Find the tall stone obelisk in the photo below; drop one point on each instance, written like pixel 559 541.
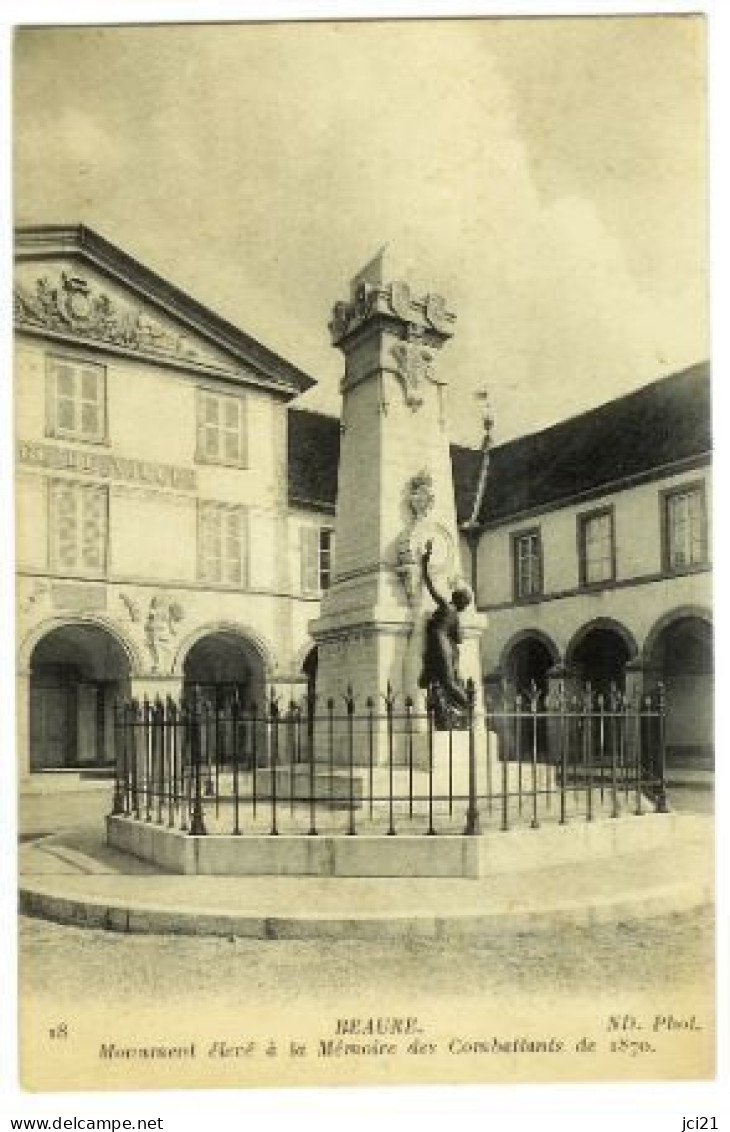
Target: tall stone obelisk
pixel 395 492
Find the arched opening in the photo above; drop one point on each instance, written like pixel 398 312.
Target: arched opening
pixel 76 673
pixel 599 657
pixel 222 665
pixel 526 665
pixel 682 658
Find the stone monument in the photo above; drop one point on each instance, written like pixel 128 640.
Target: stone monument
pixel 395 499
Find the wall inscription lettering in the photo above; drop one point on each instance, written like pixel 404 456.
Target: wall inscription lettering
pixel 106 466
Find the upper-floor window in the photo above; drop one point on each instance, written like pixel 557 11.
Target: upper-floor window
pixel 221 429
pixel 596 547
pixel 527 564
pixel 76 399
pixel 317 547
pixel 222 544
pixel 78 526
pixel 685 527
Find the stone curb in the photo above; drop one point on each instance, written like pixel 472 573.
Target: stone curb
pixel 478 926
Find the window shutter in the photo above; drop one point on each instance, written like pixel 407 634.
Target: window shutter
pixel 65 526
pixel 65 397
pixel 233 550
pixel 210 543
pixel 93 528
pixel 309 542
pixel 231 429
pixel 91 403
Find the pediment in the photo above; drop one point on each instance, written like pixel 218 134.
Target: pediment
pixel 72 299
pixel 70 283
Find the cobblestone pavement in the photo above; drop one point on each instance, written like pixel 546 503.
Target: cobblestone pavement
pixel 81 964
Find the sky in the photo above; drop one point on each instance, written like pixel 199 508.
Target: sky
pixel 546 176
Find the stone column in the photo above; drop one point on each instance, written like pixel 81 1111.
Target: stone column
pixel 636 680
pixel 22 708
pixel 395 493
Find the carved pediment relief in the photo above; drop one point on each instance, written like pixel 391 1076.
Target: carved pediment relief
pixel 73 299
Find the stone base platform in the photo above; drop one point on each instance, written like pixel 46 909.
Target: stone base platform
pixel 367 855
pixel 74 878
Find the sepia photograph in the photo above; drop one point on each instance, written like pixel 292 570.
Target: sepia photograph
pixel 363 553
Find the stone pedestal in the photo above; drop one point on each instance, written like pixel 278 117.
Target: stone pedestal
pixel 395 493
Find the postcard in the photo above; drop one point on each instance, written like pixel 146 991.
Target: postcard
pixel 364 643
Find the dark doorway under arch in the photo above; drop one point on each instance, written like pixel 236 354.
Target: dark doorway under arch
pixel 527 664
pixel 682 658
pixel 600 658
pixel 221 665
pixel 77 671
pixel 526 668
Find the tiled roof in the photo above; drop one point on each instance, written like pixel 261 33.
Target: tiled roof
pixel 658 425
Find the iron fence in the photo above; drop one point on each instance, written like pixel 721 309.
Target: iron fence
pixel 381 766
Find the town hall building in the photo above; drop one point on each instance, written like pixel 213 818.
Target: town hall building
pixel 175 519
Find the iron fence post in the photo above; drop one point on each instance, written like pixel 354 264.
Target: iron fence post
pixel 615 705
pixel 311 707
pixel 588 748
pixel 235 724
pixel 254 757
pixel 274 760
pixel 430 830
pixel 197 818
pixel 158 723
pixel 534 707
pixel 119 764
pixel 389 704
pixel 661 798
pixel 350 706
pixel 171 759
pixel 471 828
pixel 371 744
pixel 637 766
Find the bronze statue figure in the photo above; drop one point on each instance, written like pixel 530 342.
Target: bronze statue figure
pixel 440 674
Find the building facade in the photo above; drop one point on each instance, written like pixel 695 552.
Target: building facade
pixel 592 557
pixel 175 516
pixel 156 547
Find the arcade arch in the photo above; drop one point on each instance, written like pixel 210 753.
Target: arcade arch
pixel 599 652
pixel 223 663
pixel 77 671
pixel 679 652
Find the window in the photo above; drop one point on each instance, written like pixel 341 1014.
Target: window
pixel 78 527
pixel 76 400
pixel 317 546
pixel 527 564
pixel 685 527
pixel 222 544
pixel 596 547
pixel 221 429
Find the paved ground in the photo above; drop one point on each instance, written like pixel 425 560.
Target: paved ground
pixel 80 965
pixel 547 974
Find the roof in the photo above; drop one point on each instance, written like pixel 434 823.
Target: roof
pixel 654 428
pixel 49 241
pixel 313 458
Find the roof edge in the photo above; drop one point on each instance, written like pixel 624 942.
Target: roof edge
pixel 59 239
